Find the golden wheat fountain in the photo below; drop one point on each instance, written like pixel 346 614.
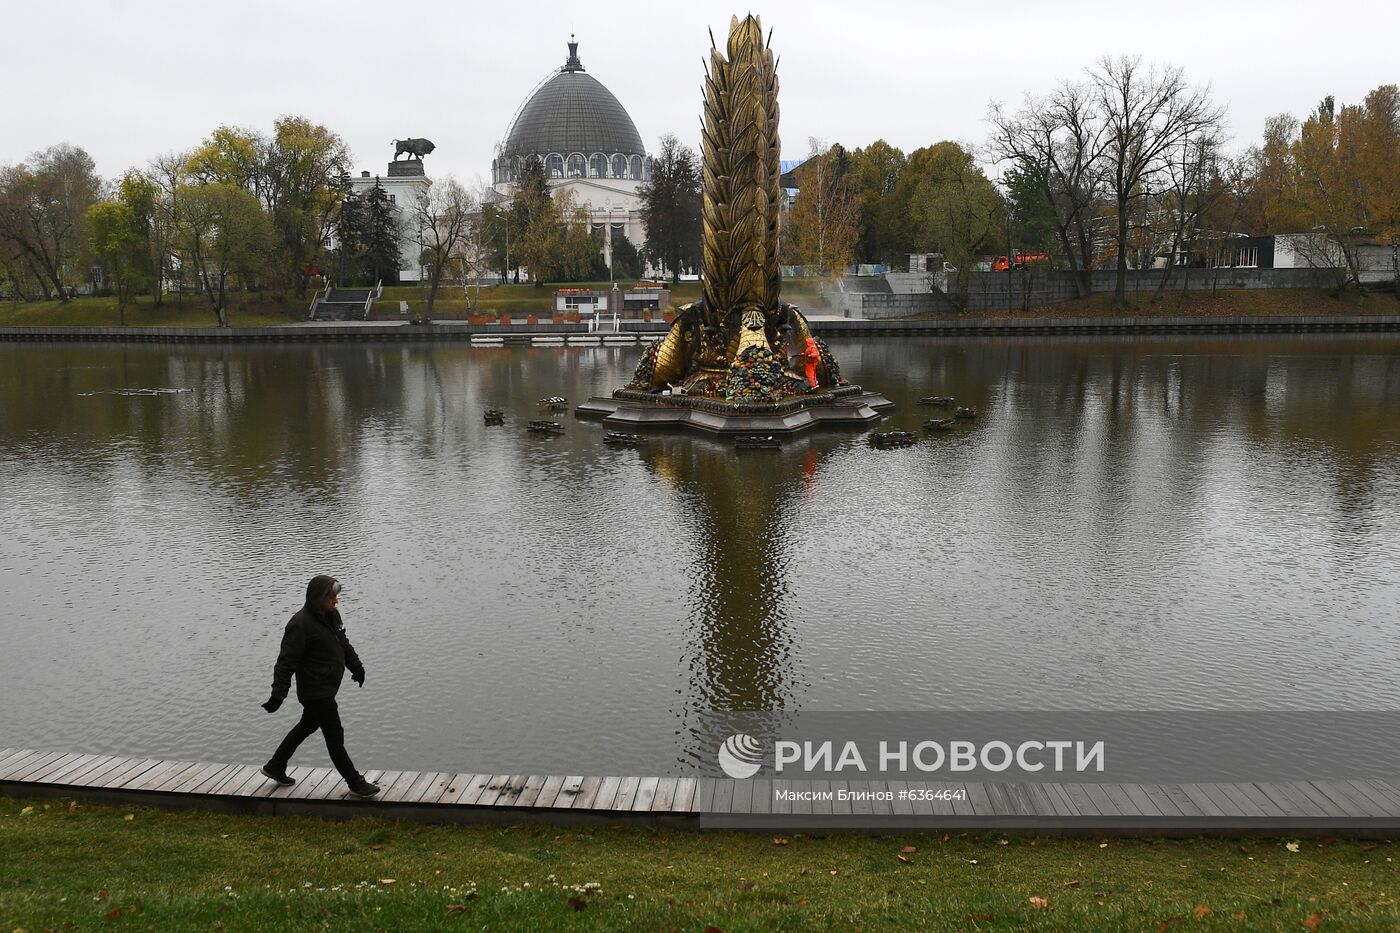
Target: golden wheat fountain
pixel 740 360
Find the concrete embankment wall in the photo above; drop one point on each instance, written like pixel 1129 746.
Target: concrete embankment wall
pixel 998 291
pixel 517 334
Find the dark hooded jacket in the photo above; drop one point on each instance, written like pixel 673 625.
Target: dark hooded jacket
pixel 315 649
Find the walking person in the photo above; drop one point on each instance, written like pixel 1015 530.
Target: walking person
pixel 315 649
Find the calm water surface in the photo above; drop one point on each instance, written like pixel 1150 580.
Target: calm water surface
pixel 1212 523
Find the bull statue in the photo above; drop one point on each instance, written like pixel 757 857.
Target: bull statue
pixel 416 148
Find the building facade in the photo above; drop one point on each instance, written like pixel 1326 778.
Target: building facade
pixel 588 145
pixel 404 183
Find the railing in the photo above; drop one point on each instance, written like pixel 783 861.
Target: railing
pixel 311 311
pixel 374 293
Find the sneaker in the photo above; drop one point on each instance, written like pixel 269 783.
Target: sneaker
pixel 363 788
pixel 280 776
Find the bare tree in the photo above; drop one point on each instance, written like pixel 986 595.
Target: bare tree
pixel 1192 178
pixel 1059 141
pixel 43 205
pixel 443 214
pixel 1147 112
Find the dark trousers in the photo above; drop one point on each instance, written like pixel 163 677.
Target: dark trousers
pixel 320 714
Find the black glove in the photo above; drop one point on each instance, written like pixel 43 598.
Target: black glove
pixel 359 677
pixel 272 704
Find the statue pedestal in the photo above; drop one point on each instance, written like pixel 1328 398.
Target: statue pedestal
pixel 847 407
pixel 406 168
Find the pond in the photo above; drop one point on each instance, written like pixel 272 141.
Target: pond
pixel 1205 523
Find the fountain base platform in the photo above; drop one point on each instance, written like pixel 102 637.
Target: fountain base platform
pixel 847 406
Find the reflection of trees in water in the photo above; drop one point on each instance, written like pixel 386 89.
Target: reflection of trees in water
pixel 1326 401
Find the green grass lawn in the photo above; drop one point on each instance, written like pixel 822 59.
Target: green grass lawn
pixel 142 312
pixel 93 866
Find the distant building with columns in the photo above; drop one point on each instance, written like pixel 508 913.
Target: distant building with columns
pixel 588 145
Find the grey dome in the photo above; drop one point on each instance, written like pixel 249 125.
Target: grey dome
pixel 573 113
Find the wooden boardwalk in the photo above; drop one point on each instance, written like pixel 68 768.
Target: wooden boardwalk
pixel 1360 806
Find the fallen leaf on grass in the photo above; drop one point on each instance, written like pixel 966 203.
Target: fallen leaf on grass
pixel 802 871
pixel 714 929
pixel 909 850
pixel 1313 922
pixel 377 847
pixel 1072 883
pixel 979 918
pixel 456 908
pixel 1291 846
pixel 1240 916
pixel 779 841
pixel 73 806
pixel 1164 925
pixel 26 811
pixel 116 913
pixel 1202 911
pixel 905 859
pixel 129 817
pixel 1003 842
pixel 577 903
pixel 1243 851
pixel 748 885
pixel 388 881
pixel 1039 903
pixel 1367 848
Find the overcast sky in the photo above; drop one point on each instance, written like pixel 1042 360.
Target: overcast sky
pixel 130 79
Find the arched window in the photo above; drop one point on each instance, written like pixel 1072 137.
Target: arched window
pixel 576 165
pixel 517 165
pixel 634 167
pixel 495 172
pixel 619 166
pixel 598 166
pixel 554 165
pixel 646 169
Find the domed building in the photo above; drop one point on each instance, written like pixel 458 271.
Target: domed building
pixel 588 145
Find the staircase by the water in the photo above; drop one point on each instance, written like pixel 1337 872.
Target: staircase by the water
pixel 345 304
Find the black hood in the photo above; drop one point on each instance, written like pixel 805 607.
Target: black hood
pixel 317 590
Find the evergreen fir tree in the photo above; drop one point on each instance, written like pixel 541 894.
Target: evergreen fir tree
pixel 380 237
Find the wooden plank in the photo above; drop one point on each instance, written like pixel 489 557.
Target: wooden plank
pixel 95 776
pixel 1251 800
pixel 626 793
pixel 534 784
pixel 193 778
pixel 471 790
pixel 423 785
pixel 802 806
pixel 403 782
pixel 607 793
pixel 821 805
pixel 1079 799
pixel 645 795
pixel 1380 790
pixel 15 759
pixel 568 793
pixel 217 783
pixel 1290 800
pixel 742 801
pixel 251 779
pixel 30 765
pixel 665 795
pixel 1346 797
pixel 305 787
pixel 761 800
pixel 448 788
pixel 499 784
pixel 41 775
pixel 1183 801
pixel 1122 803
pixel 587 793
pixel 1140 799
pixel 552 792
pixel 155 777
pixel 684 800
pixel 133 769
pixel 704 799
pixel 1305 789
pixel 61 774
pixel 980 799
pixel 1385 805
pixel 1204 802
pixel 780 787
pixel 860 807
pixel 78 778
pixel 724 796
pixel 1161 799
pixel 511 792
pixel 234 777
pixel 1104 804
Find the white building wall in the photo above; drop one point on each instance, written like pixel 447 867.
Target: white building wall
pixel 403 192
